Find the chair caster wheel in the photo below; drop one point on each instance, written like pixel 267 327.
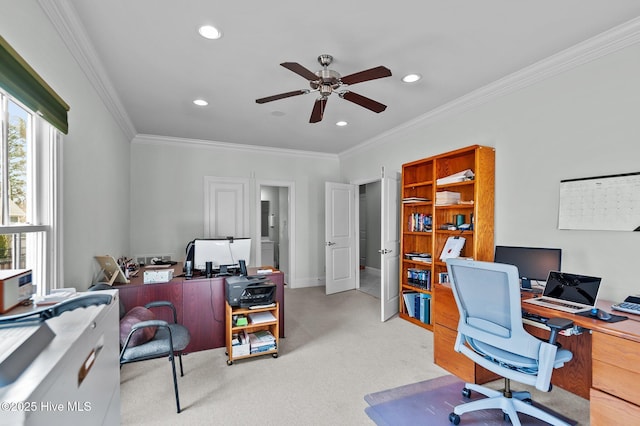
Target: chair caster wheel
pixel 466 393
pixel 454 418
pixel 229 362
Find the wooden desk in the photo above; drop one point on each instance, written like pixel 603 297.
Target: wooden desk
pixel 606 364
pixel 606 358
pixel 199 304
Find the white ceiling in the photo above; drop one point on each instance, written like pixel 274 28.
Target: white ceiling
pixel 149 59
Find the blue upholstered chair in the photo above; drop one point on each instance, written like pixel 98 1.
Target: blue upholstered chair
pixel 491 333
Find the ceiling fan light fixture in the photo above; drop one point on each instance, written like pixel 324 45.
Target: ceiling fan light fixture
pixel 411 78
pixel 210 32
pixel 201 102
pixel 341 123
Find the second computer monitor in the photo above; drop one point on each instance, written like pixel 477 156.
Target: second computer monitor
pixel 533 263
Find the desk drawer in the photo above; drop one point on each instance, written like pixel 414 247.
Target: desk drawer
pixel 608 410
pixel 445 311
pixel 616 367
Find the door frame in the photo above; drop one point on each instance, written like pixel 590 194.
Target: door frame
pixel 257 237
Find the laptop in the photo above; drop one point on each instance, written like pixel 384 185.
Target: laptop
pixel 568 292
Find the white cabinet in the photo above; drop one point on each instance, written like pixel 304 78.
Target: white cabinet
pixel 76 378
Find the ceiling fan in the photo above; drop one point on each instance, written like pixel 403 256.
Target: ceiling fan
pixel 327 81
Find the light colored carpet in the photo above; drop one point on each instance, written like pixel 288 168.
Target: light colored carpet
pixel 336 352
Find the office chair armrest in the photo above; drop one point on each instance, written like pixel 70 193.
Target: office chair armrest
pixel 148 323
pixel 556 325
pixel 163 303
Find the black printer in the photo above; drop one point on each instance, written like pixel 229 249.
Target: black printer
pixel 249 291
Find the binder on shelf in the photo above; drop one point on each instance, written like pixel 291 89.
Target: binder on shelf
pixel 462 176
pixel 409 303
pixel 425 308
pixel 452 248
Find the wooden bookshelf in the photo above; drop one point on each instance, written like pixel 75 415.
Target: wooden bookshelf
pixel 422 219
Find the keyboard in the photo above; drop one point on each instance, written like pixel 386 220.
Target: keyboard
pixel 629 307
pixel 556 303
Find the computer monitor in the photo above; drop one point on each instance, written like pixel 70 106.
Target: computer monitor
pixel 533 263
pixel 221 252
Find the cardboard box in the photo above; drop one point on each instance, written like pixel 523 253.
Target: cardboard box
pixel 240 350
pixel 157 276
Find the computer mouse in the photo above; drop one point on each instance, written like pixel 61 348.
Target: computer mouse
pixel 600 314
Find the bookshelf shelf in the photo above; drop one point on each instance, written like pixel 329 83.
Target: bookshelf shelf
pixel 263 327
pixel 419 179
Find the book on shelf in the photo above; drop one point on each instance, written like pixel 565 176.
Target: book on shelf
pixel 420 222
pixel 420 278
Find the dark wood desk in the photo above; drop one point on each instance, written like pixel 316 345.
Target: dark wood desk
pixel 606 358
pixel 199 303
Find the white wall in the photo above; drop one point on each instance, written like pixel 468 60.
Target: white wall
pixel 167 194
pixel 95 152
pixel 583 122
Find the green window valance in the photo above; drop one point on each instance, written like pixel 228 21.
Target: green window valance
pixel 23 83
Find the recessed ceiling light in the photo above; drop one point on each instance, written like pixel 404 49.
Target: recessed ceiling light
pixel 210 32
pixel 201 102
pixel 341 123
pixel 411 78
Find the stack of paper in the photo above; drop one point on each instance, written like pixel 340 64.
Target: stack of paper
pixel 262 341
pixel 414 200
pixel 444 198
pixel 261 317
pixel 456 177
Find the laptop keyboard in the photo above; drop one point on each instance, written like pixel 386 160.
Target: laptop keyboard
pixel 553 303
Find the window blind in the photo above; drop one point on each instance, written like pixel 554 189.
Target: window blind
pixel 23 83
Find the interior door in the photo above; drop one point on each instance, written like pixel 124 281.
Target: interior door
pixel 226 212
pixel 390 252
pixel 340 237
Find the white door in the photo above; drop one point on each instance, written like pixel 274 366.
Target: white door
pixel 390 252
pixel 226 211
pixel 340 237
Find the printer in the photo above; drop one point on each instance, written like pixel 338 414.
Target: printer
pixel 242 291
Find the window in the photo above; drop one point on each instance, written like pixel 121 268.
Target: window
pixel 28 193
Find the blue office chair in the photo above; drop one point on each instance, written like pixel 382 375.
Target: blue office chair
pixel 491 333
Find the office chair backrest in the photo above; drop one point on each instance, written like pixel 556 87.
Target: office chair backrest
pixel 488 299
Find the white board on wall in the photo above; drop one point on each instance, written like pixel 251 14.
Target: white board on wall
pixel 608 203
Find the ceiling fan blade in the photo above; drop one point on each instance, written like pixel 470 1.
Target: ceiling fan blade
pixel 318 110
pixel 366 75
pixel 364 101
pixel 281 96
pixel 300 70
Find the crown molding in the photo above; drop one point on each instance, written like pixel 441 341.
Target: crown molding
pixel 199 143
pixel 601 45
pixel 65 20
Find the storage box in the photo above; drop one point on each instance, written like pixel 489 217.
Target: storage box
pixel 240 350
pixel 15 288
pixel 157 276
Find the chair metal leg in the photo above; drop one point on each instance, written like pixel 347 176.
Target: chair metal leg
pixel 181 370
pixel 175 382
